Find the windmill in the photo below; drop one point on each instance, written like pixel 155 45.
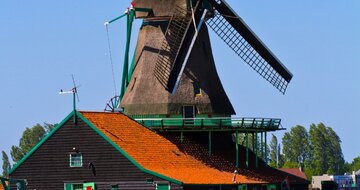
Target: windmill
pixel 173 72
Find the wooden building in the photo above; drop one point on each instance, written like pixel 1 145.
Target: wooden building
pixel 98 150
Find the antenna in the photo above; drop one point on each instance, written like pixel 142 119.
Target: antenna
pixel 75 95
pixel 75 88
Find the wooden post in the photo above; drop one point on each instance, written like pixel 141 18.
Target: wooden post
pixel 237 147
pixel 209 143
pixel 247 149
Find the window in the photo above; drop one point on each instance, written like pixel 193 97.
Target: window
pixel 149 180
pixel 75 160
pixel 162 187
pixel 114 187
pixel 77 186
pixel 197 91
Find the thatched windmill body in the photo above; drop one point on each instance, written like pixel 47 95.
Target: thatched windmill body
pixel 173 73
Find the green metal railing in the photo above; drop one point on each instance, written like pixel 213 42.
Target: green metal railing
pixel 212 123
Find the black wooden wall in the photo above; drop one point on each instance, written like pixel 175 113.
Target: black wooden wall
pixel 48 167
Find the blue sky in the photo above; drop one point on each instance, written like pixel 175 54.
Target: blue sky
pixel 43 42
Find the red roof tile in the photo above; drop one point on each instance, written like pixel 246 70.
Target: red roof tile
pixel 157 154
pixel 294 171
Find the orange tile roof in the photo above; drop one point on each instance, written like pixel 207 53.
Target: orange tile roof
pixel 155 153
pixel 294 171
pixel 1 186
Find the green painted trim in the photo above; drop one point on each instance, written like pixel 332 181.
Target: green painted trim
pixel 262 145
pixel 124 81
pixel 74 105
pixel 125 154
pixel 148 10
pixel 247 149
pixel 41 142
pixel 195 130
pixel 117 18
pixel 266 159
pixel 256 151
pixel 237 148
pixel 210 143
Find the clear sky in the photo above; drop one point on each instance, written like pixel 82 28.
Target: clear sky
pixel 43 42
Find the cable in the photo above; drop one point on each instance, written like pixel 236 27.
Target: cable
pixel 111 60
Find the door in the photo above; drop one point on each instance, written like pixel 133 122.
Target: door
pixel 189 115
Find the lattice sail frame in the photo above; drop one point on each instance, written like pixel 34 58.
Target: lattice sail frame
pixel 244 50
pixel 170 46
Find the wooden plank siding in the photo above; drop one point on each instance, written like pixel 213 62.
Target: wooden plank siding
pixel 49 166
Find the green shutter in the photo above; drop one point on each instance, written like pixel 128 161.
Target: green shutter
pixel 271 187
pixel 67 186
pixel 86 185
pixel 20 185
pixel 163 187
pixel 242 187
pixel 114 187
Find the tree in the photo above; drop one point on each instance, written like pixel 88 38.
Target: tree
pixel 296 145
pixel 30 137
pixel 327 153
pixel 274 159
pixel 355 164
pixel 280 157
pixel 49 127
pixel 291 165
pixel 6 165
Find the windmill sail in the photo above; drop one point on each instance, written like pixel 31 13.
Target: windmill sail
pixel 171 45
pixel 177 42
pixel 239 37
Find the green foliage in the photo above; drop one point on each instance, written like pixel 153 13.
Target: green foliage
pixel 318 151
pixel 296 145
pixel 281 159
pixel 347 167
pixel 48 127
pixel 291 165
pixel 273 152
pixel 327 153
pixel 6 165
pixel 29 138
pixel 355 165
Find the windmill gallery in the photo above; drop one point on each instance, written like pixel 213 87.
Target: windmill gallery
pixel 172 96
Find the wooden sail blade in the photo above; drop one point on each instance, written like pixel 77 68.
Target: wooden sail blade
pixel 171 45
pixel 244 42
